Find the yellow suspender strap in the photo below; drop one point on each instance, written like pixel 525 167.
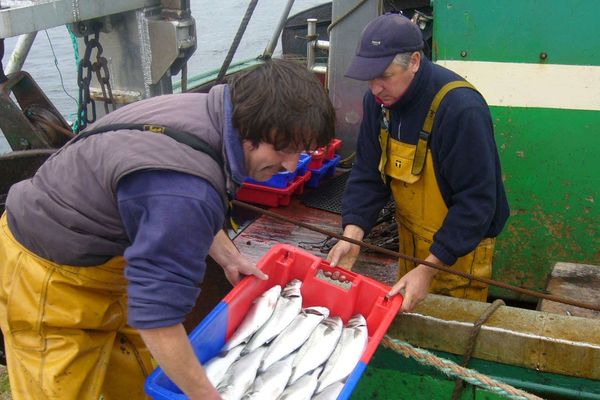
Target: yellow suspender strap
pixel 384 137
pixel 423 143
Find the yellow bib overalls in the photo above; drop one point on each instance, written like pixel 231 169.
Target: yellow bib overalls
pixel 421 210
pixel 65 328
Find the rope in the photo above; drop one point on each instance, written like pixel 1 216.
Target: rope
pixel 345 15
pixel 236 41
pixel 452 369
pixel 417 261
pixel 75 127
pixel 472 341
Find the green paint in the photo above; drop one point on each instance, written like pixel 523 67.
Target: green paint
pixel 549 163
pixel 548 155
pixel 391 376
pixel 517 31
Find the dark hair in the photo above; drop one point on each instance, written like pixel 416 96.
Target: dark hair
pixel 280 102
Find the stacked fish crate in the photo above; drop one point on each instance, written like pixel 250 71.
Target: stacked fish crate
pixel 278 190
pixel 323 163
pixel 299 334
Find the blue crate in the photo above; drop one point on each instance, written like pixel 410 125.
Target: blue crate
pixel 283 179
pixel 326 170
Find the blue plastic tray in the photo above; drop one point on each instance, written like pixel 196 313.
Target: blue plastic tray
pixel 283 179
pixel 326 170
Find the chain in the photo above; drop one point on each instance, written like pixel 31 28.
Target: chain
pixel 103 76
pixel 87 105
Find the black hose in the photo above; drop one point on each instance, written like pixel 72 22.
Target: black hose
pixel 236 40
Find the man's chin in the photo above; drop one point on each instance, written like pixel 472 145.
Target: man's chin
pixel 262 177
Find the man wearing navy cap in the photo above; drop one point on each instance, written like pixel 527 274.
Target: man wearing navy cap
pixel 427 139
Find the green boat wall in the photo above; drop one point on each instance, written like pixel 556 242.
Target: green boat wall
pixel 537 63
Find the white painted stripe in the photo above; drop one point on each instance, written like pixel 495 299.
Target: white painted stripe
pixel 575 87
pixel 508 332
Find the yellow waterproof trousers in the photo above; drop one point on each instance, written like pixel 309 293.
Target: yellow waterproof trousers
pixel 420 212
pixel 65 328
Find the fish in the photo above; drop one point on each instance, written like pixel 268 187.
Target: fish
pixel 260 311
pixel 240 375
pixel 271 383
pixel 318 347
pixel 303 388
pixel 288 306
pixel 216 367
pixel 294 335
pixel 347 353
pixel 331 392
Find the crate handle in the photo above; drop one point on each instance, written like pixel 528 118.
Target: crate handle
pixel 327 276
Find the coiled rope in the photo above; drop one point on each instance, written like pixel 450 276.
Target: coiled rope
pixel 454 370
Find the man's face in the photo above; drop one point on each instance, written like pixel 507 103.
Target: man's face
pixel 394 81
pixel 263 161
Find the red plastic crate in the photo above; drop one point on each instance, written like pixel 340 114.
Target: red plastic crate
pixel 332 148
pixel 270 196
pixel 282 263
pixel 318 156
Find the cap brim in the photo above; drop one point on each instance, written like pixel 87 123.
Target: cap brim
pixel 367 68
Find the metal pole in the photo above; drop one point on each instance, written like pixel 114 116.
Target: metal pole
pixel 310 45
pixel 275 38
pixel 19 54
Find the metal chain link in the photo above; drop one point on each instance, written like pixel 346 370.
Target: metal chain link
pixel 87 105
pixel 84 78
pixel 103 76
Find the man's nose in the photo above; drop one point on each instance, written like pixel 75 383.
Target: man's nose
pixel 375 87
pixel 290 161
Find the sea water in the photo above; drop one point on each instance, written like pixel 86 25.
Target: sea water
pixel 216 26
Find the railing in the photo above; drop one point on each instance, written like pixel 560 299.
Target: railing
pixel 312 45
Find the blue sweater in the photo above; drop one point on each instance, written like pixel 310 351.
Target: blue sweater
pixel 465 161
pixel 171 219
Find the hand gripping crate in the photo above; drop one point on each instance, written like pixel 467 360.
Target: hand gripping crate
pixel 283 263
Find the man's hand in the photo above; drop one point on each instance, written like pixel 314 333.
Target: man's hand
pixel 234 265
pixel 344 254
pixel 171 348
pixel 239 267
pixel 415 284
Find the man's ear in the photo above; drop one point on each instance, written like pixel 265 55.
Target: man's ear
pixel 415 61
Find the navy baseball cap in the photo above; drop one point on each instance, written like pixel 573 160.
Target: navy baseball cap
pixel 380 41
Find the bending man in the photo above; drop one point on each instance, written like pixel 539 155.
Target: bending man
pixel 103 250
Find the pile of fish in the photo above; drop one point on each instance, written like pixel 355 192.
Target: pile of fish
pixel 283 351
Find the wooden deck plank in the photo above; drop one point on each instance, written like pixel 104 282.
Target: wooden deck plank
pixel 262 234
pixel 574 281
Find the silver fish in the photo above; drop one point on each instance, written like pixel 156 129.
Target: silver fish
pixel 288 306
pixel 303 388
pixel 240 375
pixel 260 311
pixel 319 346
pixel 271 383
pixel 347 353
pixel 216 367
pixel 331 392
pixel 294 335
